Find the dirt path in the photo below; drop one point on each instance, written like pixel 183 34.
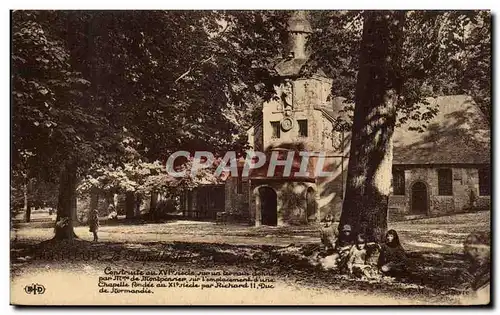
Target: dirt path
pixel 444 234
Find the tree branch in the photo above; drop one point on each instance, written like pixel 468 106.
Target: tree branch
pixel 183 75
pixel 191 68
pixel 204 60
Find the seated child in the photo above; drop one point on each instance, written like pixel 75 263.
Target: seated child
pixel 372 259
pixel 93 222
pixel 392 260
pixel 341 250
pixel 356 262
pixel 343 245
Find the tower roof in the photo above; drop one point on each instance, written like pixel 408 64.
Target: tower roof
pixel 298 30
pixel 299 23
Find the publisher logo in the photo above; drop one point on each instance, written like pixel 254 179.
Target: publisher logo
pixel 34 289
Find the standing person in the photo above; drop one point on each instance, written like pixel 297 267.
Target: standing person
pixel 328 236
pixel 94 223
pixel 392 259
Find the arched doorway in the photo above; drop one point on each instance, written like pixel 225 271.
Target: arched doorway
pixel 268 206
pixel 310 205
pixel 419 204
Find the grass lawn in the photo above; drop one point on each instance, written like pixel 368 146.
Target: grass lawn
pixel 433 244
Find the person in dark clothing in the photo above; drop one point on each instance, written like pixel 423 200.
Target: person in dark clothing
pixel 94 223
pixel 392 260
pixel 372 259
pixel 328 236
pixel 343 247
pixel 345 240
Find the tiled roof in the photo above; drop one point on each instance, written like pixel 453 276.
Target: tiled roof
pixel 290 67
pixel 458 133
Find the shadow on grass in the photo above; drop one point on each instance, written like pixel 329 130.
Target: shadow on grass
pixel 48 223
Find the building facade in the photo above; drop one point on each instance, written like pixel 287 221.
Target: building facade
pixel 442 169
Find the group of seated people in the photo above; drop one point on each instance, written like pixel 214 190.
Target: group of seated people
pixel 354 255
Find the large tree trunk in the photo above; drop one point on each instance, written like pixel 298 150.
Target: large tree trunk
pixel 370 162
pixel 65 203
pixel 154 202
pixel 27 201
pixel 74 205
pixel 129 205
pixel 138 203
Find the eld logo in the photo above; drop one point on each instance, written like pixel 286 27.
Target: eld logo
pixel 35 289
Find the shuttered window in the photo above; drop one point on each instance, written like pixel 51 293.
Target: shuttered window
pixel 302 127
pixel 398 181
pixel 276 129
pixel 445 182
pixel 484 181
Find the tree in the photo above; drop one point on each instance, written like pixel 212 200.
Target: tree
pixel 444 53
pixel 83 79
pixel 137 180
pixel 436 55
pixel 53 119
pixel 377 91
pixel 476 77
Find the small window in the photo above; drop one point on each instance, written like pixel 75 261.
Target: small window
pixel 302 127
pixel 398 182
pixel 276 129
pixel 484 181
pixel 445 182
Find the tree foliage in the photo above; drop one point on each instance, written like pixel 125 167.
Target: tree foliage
pixel 399 65
pixel 444 53
pixel 110 94
pixel 169 80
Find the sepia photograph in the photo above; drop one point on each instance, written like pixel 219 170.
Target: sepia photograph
pixel 250 157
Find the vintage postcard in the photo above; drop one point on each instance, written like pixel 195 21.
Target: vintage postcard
pixel 254 157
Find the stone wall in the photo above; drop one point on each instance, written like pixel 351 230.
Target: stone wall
pixel 465 181
pixel 307 93
pixel 328 190
pixel 237 204
pixel 291 196
pixel 291 201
